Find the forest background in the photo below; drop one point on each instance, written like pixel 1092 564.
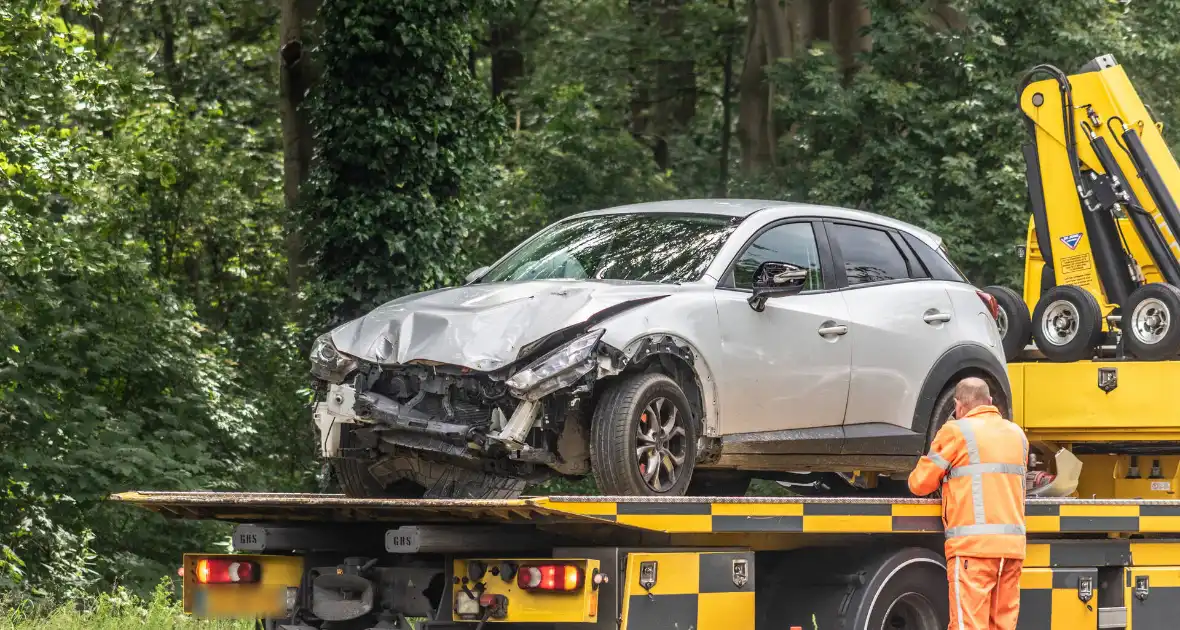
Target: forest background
pixel 192 190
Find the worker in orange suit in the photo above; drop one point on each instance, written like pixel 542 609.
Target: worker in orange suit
pixel 978 460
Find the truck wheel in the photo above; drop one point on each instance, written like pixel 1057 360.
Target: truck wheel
pixel 1151 331
pixel 643 438
pixel 1014 321
pixel 908 591
pixel 1067 324
pixel 418 478
pixel 718 483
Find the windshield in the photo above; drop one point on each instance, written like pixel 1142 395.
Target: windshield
pixel 641 247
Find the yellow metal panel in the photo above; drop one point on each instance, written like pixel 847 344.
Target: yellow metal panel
pixel 1034 578
pixel 842 524
pixel 1041 524
pixel 1099 510
pixel 1071 613
pixel 909 509
pixel 677 573
pixel 1065 397
pixel 758 509
pixel 1161 606
pixel 526 606
pixel 1147 554
pixel 725 611
pixel 1035 555
pixel 266 598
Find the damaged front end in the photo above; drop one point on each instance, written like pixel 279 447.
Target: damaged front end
pixel 526 421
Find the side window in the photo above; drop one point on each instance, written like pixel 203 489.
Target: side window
pixel 790 243
pixel 869 255
pixel 941 267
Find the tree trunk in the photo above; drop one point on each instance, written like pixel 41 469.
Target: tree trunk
pixel 507 60
pixel 168 35
pixel 676 89
pixel 727 93
pixel 848 17
pixel 297 75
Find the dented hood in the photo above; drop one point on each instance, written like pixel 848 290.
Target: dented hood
pixel 482 326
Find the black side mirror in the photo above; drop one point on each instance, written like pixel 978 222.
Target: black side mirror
pixel 776 279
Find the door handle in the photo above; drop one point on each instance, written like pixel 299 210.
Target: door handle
pixel 931 318
pixel 824 331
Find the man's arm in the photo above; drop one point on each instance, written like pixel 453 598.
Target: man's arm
pixel 932 467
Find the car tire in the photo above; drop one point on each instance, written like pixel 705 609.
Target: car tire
pixel 622 414
pixel 419 477
pixel 909 590
pixel 1067 324
pixel 718 483
pixel 1015 322
pixel 1151 330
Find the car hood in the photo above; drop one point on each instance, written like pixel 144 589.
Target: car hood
pixel 483 326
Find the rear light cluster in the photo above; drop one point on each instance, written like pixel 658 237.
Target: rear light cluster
pixel 549 577
pixel 226 571
pixel 989 300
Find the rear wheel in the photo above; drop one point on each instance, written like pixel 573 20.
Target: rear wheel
pixel 643 439
pixel 1067 324
pixel 1014 321
pixel 416 477
pixel 1151 330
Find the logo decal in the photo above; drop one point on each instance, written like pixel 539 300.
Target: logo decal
pixel 1108 379
pixel 1071 240
pixel 741 572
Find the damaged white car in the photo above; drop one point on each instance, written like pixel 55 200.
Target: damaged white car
pixel 667 348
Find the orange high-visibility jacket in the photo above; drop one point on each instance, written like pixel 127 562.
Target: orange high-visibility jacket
pixel 979 461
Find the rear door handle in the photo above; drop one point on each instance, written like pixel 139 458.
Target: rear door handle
pixel 824 331
pixel 931 318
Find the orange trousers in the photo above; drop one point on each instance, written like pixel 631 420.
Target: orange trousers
pixel 984 592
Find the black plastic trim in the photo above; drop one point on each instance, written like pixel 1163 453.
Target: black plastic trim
pixel 959 359
pixel 1036 199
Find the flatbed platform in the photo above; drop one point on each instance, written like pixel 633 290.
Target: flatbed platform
pixel 673 515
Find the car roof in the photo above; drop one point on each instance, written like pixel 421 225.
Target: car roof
pixel 742 208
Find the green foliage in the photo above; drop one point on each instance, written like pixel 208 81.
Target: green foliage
pixel 404 145
pixel 118 610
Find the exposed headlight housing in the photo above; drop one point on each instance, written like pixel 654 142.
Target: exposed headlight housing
pixel 558 369
pixel 327 362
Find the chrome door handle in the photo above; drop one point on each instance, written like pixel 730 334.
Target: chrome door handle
pixel 931 318
pixel 824 331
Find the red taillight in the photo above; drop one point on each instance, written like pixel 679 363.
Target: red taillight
pixel 226 571
pixel 993 306
pixel 549 577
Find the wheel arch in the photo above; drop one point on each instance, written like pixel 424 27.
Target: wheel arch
pixel 957 363
pixel 679 359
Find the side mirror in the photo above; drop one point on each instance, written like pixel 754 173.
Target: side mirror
pixel 476 275
pixel 776 279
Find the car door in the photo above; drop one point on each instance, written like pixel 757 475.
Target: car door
pixel 786 367
pixel 900 322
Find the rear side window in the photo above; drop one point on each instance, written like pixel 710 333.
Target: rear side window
pixel 937 263
pixel 869 254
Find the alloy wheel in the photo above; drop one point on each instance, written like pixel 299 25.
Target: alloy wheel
pixel 661 445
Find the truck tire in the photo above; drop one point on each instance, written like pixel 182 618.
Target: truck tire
pixel 418 478
pixel 1067 324
pixel 1014 322
pixel 859 587
pixel 627 420
pixel 1151 330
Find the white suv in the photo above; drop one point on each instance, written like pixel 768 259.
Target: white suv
pixel 667 348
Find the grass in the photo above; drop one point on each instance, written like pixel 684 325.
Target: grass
pixel 119 611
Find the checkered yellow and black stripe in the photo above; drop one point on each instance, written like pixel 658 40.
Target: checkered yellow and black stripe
pixel 702 591
pixel 824 516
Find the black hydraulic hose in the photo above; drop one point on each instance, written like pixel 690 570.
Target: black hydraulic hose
pixel 1153 181
pixel 1143 222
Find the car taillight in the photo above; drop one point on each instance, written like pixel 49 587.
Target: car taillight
pixel 993 306
pixel 549 577
pixel 226 571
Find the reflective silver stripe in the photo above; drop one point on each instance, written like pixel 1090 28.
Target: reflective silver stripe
pixel 938 460
pixel 958 595
pixel 976 480
pixel 987 529
pixel 980 469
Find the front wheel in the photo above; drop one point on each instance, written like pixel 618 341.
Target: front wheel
pixel 1067 324
pixel 643 438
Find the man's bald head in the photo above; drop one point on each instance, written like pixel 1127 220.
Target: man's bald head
pixel 970 393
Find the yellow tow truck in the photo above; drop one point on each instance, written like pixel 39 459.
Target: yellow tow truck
pixel 1092 345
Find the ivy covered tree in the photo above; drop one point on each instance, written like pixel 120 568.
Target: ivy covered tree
pixel 404 150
